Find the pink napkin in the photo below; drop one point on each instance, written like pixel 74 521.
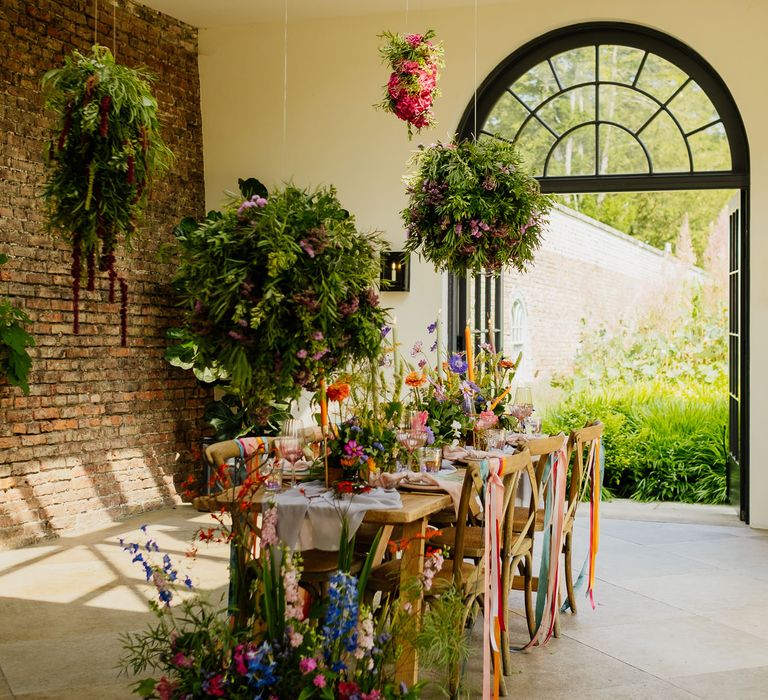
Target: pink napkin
pixel 450 485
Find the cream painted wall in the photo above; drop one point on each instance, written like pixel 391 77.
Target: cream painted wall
pixel 334 136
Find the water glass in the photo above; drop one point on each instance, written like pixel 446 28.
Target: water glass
pixel 494 440
pixel 429 458
pixel 533 425
pixel 272 471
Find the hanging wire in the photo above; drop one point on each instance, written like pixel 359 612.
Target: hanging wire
pixel 95 22
pixel 474 81
pixel 285 75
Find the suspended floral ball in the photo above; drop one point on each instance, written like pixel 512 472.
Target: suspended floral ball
pixel 412 86
pixel 472 207
pixel 276 291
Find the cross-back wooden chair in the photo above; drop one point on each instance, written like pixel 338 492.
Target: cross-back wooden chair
pixel 318 566
pixel 530 519
pixel 580 445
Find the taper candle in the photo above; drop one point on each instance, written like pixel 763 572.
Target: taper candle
pixel 438 341
pixel 468 344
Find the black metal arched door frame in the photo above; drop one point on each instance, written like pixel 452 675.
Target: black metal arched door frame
pixel 737 178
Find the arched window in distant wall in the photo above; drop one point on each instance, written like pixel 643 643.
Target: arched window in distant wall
pixel 518 339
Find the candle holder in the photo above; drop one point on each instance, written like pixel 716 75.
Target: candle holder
pixel 395 272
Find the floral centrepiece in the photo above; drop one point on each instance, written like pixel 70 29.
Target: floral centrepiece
pixel 454 403
pixel 105 148
pixel 472 207
pixel 412 86
pixel 277 290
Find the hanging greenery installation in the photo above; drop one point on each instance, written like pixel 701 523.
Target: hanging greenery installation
pixel 104 150
pixel 472 207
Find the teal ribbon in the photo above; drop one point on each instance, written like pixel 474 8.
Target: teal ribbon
pixel 541 592
pixel 582 578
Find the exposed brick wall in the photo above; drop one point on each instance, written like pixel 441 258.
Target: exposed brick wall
pixel 98 436
pixel 585 274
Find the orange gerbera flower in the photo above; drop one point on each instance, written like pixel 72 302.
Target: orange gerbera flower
pixel 338 391
pixel 506 364
pixel 415 379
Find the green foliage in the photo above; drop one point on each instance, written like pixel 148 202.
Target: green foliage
pixel 682 349
pixel 661 442
pixel 472 207
pixel 275 293
pixel 104 149
pixel 15 361
pixel 660 389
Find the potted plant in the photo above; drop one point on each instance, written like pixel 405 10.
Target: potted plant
pixel 276 291
pixel 15 361
pixel 472 207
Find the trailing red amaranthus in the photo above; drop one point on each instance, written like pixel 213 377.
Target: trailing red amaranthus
pixel 96 186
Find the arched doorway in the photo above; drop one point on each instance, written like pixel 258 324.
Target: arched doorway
pixel 634 91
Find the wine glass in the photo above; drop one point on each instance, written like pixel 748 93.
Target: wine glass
pixel 522 406
pixel 291 448
pixel 292 428
pixel 411 435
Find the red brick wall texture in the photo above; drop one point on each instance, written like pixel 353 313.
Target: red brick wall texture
pixel 106 431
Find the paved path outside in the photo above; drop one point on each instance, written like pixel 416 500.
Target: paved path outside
pixel 682 611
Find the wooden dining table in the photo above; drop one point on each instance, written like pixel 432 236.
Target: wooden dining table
pixel 412 518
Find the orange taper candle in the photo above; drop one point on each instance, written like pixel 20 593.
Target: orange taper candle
pixel 470 353
pixel 323 407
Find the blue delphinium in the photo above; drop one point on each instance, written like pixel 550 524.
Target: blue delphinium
pixel 341 617
pixel 261 668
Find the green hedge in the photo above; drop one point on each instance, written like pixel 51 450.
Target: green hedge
pixel 661 442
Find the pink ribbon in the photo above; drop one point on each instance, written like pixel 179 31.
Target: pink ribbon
pixel 492 619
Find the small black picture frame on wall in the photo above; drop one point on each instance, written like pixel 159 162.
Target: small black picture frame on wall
pixel 395 271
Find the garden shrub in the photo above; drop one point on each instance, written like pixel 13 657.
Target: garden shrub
pixel 660 388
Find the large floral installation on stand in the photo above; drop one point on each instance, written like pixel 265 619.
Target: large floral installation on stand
pixel 412 86
pixel 277 291
pixel 105 148
pixel 473 207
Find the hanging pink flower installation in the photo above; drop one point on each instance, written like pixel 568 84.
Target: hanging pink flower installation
pixel 412 86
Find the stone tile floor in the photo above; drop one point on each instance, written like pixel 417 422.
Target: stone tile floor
pixel 682 611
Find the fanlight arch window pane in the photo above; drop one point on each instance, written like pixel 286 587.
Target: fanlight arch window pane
pixel 575 154
pixel 660 78
pixel 507 118
pixel 620 152
pixel 692 108
pixel 569 109
pixel 710 149
pixel 536 85
pixel 538 142
pixel 620 64
pixel 608 109
pixel 575 67
pixel 666 144
pixel 626 106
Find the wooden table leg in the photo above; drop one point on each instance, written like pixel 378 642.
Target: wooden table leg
pixel 407 666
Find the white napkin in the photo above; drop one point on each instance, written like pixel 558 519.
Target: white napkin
pixel 310 517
